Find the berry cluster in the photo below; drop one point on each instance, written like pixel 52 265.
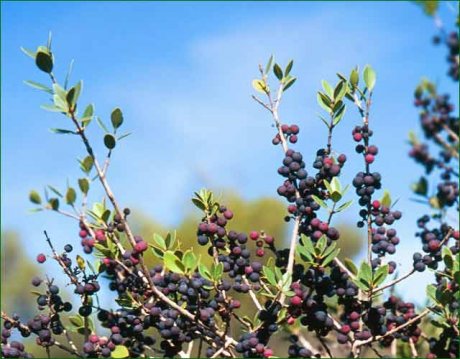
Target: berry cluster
pixel 289 132
pixel 14 349
pixel 401 312
pixel 296 350
pixel 452 43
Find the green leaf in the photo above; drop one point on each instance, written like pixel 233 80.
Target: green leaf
pixel 110 141
pixel 120 352
pixel 324 101
pixel 76 320
pixel 44 61
pixel 354 77
pixel 217 271
pixel 204 271
pixel 328 186
pixel 69 72
pixel 73 94
pixel 336 185
pixel 344 206
pixel 321 245
pixel 38 86
pixel 83 183
pixel 304 254
pixel 87 164
pixel 386 199
pixel 380 275
pixel 350 266
pixel 288 68
pixel 159 241
pixel 278 72
pixel 340 91
pixel 338 115
pixel 63 131
pixel 369 77
pixel 269 64
pixel 70 196
pixel 448 257
pixel 117 118
pixel 308 244
pixel 330 257
pixel 173 263
pixel 34 197
pixel 365 273
pixel 52 108
pixel 319 201
pixel 54 203
pixel 89 111
pixel 28 52
pixel 190 260
pixel 429 7
pixel 170 240
pixel 327 88
pixel 123 136
pixel 269 275
pixel 420 187
pixel 289 82
pixel 101 124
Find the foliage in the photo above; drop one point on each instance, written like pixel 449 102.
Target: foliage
pixel 170 296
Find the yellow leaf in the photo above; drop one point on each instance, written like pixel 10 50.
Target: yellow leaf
pixel 259 85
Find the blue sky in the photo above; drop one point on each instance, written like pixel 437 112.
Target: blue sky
pixel 182 74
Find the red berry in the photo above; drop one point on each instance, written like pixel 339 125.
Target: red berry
pixel 236 304
pixel 328 161
pixel 345 329
pixel 212 228
pixel 292 208
pixel 373 150
pixel 248 270
pixel 294 129
pixel 433 245
pixel 293 138
pixel 456 235
pixel 141 246
pixel 369 158
pixel 357 137
pixel 100 236
pixel 323 227
pixel 254 235
pixel 269 239
pixel 41 258
pixel 296 301
pixel 342 158
pixel 291 320
pixel 93 339
pixel 284 128
pixel 106 261
pixel 268 353
pixel 354 325
pixel 228 214
pixel 376 204
pixel 353 316
pixel 83 233
pixel 260 252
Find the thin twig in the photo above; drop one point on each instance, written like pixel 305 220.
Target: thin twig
pixel 392 283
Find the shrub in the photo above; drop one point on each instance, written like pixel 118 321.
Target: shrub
pixel 167 309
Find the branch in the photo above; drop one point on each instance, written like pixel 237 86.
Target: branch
pixel 26 329
pixel 394 282
pixel 360 343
